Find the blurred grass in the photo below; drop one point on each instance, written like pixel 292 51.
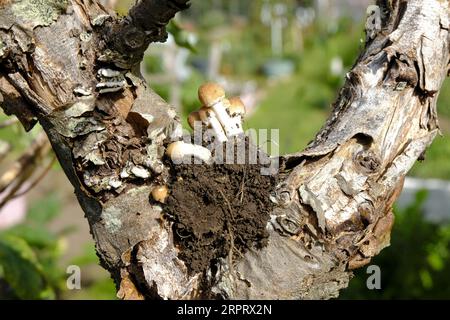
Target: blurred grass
pixel 96 283
pixel 436 164
pixel 298 106
pixel 285 109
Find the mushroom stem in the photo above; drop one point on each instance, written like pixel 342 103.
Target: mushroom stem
pixel 178 150
pixel 209 118
pixel 227 122
pixel 237 111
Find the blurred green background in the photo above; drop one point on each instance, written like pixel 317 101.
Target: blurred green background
pixel 286 59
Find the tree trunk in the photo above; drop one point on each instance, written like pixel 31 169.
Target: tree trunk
pixel 74 66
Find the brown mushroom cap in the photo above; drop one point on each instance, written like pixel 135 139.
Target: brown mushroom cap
pixel 160 193
pixel 203 114
pixel 193 117
pixel 173 147
pixel 236 107
pixel 210 93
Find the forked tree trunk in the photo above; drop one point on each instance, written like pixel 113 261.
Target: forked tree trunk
pixel 333 211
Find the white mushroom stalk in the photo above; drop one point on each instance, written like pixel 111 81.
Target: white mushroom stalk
pixel 237 111
pixel 212 95
pixel 178 150
pixel 208 117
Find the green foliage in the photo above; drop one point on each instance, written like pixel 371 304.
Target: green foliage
pixel 16 136
pixel 444 99
pixel 22 270
pixel 299 105
pixel 29 255
pixel 30 258
pixel 416 265
pixel 436 164
pixel 180 36
pixel 97 286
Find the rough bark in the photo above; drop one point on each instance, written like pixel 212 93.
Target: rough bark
pixel 73 66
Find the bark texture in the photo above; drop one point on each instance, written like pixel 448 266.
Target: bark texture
pixel 73 66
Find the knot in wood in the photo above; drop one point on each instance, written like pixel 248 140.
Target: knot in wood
pixel 367 213
pixel 3 50
pixel 368 161
pixel 404 73
pixel 134 38
pixel 288 225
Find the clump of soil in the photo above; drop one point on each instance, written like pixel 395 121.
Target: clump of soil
pixel 219 211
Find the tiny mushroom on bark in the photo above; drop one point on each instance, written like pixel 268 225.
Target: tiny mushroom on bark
pixel 212 95
pixel 237 111
pixel 178 150
pixel 208 117
pixel 193 118
pixel 160 193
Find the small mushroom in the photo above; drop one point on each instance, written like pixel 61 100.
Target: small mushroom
pixel 237 111
pixel 160 193
pixel 212 95
pixel 208 117
pixel 178 150
pixel 193 118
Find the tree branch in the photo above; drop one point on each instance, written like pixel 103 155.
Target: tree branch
pixel 146 23
pixel 109 131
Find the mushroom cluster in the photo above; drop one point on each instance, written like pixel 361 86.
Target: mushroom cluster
pixel 220 117
pixel 223 116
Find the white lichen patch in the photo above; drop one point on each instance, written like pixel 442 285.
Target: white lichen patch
pixel 134 192
pixel 39 12
pixel 2 50
pixel 140 172
pixel 100 20
pixel 85 36
pixel 172 113
pixel 111 218
pixel 373 23
pixel 95 157
pixel 115 183
pixel 124 173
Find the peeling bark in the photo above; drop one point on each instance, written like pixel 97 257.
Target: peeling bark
pixel 73 65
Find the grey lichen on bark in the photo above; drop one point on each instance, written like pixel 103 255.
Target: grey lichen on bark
pixel 109 131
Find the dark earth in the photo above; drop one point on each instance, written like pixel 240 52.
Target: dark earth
pixel 218 211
